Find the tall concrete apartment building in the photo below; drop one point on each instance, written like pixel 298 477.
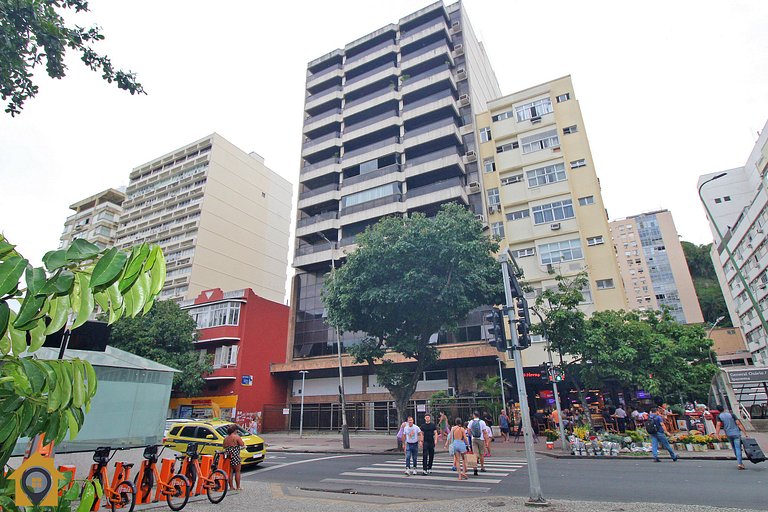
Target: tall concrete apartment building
pixel 653 265
pixel 220 215
pixel 542 195
pixel 388 131
pixel 737 209
pixel 95 218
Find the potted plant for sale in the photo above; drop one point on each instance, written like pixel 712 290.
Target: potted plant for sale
pixel 552 436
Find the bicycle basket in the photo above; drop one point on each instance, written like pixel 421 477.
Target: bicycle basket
pixel 150 452
pixel 101 455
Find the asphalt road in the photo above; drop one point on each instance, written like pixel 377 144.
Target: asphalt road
pixel 714 483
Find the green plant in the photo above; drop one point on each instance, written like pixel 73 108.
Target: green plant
pixel 637 436
pixel 581 432
pixel 440 401
pixel 51 398
pixel 552 435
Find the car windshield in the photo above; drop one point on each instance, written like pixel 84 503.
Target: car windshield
pixel 222 430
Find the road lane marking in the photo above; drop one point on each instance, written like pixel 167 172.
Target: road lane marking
pixel 279 466
pixel 441 471
pixel 415 485
pixel 435 469
pixel 404 477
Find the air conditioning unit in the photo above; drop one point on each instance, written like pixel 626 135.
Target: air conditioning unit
pixel 557 148
pixel 464 100
pixel 536 119
pixel 480 217
pixel 461 74
pixel 470 156
pixel 763 286
pixel 555 226
pixel 455 27
pixel 458 49
pixel 760 230
pixel 474 186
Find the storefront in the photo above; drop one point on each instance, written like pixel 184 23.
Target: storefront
pixel 204 407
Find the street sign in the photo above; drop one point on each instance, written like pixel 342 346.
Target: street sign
pixel 247 380
pixel 286 412
pixel 751 375
pixel 421 408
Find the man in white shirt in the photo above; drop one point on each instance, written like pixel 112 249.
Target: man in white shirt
pixel 621 419
pixel 411 436
pixel 476 429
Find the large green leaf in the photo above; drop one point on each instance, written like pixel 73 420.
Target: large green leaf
pixel 5 316
pixel 37 336
pixel 78 384
pixel 153 254
pixel 59 311
pixel 5 247
pixel 18 338
pixel 72 424
pixel 140 293
pixel 10 273
pixel 36 375
pixel 108 268
pixel 35 277
pixel 5 343
pixel 60 283
pixel 90 377
pixel 85 301
pixel 54 260
pixel 30 308
pixel 158 274
pixel 81 250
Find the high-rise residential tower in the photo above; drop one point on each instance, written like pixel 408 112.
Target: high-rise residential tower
pixel 542 195
pixel 653 265
pixel 95 218
pixel 220 215
pixel 736 204
pixel 388 130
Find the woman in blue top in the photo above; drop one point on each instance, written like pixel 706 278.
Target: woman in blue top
pixel 504 425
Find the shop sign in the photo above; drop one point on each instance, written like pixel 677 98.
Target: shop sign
pixel 547 393
pixel 421 408
pixel 201 402
pixel 752 375
pixel 286 411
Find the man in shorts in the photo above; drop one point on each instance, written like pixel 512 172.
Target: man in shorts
pixel 477 428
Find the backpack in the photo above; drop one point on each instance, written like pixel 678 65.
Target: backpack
pixel 476 429
pixel 651 426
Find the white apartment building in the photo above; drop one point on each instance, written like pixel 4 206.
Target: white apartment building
pixel 737 208
pixel 220 215
pixel 95 218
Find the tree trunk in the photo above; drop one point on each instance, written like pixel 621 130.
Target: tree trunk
pixel 401 405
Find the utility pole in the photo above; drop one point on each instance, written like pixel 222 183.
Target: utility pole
pixel 342 396
pixel 301 414
pixel 501 383
pixel 536 498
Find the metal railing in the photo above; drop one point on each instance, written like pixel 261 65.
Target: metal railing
pixel 324 71
pixel 367 74
pixel 412 162
pixel 311 249
pixel 369 121
pixel 322 163
pixel 383 171
pixel 322 115
pixel 368 51
pixel 437 125
pixel 434 187
pixel 319 190
pixel 429 99
pixel 371 147
pixel 308 221
pixel 394 198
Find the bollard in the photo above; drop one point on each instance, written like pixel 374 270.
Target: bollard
pixel 166 472
pixel 205 472
pixel 225 465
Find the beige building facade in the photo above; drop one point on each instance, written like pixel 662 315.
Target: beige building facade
pixel 221 216
pixel 653 265
pixel 95 218
pixel 542 195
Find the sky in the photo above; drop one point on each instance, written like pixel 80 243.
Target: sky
pixel 668 91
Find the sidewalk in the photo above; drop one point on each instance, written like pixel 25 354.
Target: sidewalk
pixel 382 443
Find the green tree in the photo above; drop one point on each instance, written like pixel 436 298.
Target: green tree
pixel 165 335
pixel 411 277
pixel 705 282
pixel 33 32
pixel 52 397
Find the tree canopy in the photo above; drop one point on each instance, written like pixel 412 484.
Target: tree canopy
pixel 705 282
pixel 33 32
pixel 411 277
pixel 166 334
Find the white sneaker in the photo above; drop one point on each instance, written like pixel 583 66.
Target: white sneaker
pixel 413 472
pixel 407 472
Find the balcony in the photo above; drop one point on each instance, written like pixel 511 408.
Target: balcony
pixel 370 55
pixel 323 75
pixel 422 31
pixel 433 131
pixel 312 171
pixel 371 125
pixel 312 123
pixel 360 178
pixel 427 78
pixel 434 103
pixel 319 196
pixel 321 222
pixel 370 77
pixel 314 100
pixel 370 100
pixel 225 372
pixel 373 209
pixel 433 161
pixel 381 148
pixel 429 52
pixel 438 192
pixel 318 254
pixel 321 143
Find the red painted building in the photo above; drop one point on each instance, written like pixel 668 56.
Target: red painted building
pixel 244 333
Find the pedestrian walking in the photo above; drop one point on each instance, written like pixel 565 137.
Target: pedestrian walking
pixel 488 438
pixel 458 445
pixel 477 429
pixel 232 445
pixel 443 428
pixel 504 425
pixel 427 438
pixel 621 418
pixel 655 428
pixel 411 446
pixel 728 422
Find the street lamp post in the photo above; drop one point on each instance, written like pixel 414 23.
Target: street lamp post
pixel 301 413
pixel 743 280
pixel 343 398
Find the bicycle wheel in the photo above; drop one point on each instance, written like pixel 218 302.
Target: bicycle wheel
pixel 177 492
pixel 144 482
pixel 124 497
pixel 192 477
pixel 216 489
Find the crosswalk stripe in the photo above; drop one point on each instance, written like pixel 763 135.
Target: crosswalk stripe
pixel 404 477
pixel 401 464
pixel 441 471
pixel 400 467
pixel 462 486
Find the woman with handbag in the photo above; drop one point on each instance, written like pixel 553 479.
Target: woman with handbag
pixel 458 445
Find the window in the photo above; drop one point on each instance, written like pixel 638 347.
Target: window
pixel 225 356
pixel 586 295
pixel 489 165
pixel 502 116
pixel 497 228
pixel 540 141
pixel 534 109
pixel 508 180
pixel 188 432
pixel 507 147
pixel 564 97
pixel 570 129
pixel 520 214
pixel 524 253
pixel 568 250
pixel 371 194
pixel 578 163
pixel 224 313
pixel 604 284
pixel 435 375
pixel 559 210
pixel 493 197
pixel 584 201
pixel 545 175
pixel 596 240
pixel 718 200
pixel 485 134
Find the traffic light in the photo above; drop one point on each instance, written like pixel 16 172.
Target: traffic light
pixel 544 372
pixel 523 324
pixel 498 335
pixel 558 375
